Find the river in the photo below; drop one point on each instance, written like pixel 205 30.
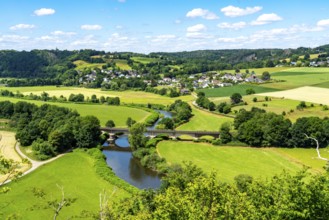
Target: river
pixel 127 167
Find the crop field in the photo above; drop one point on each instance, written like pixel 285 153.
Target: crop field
pixel 118 114
pixel 128 97
pixel 307 93
pixel 203 120
pixel 228 91
pixel 229 162
pixel 75 172
pixel 299 77
pixel 7 150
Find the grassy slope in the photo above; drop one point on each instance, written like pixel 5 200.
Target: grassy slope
pixel 144 60
pixel 228 91
pixel 83 65
pixel 231 161
pixel 203 120
pixel 299 77
pixel 122 64
pixel 103 112
pixel 259 71
pixel 74 172
pixel 125 96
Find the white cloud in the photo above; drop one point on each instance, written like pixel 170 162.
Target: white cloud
pixel 22 26
pixel 85 41
pixel 162 38
pixel 203 13
pixel 266 18
pixel 122 1
pixel 198 35
pixel 232 39
pixel 232 11
pixel 119 27
pixel 13 38
pixel 44 11
pixel 235 26
pixel 197 28
pixel 62 33
pixel 89 27
pixel 323 23
pixel 178 21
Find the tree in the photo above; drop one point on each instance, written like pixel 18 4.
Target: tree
pixel 110 124
pixel 236 98
pixel 9 168
pixel 130 122
pixel 136 136
pixel 250 91
pixel 266 76
pixel 88 132
pixel 168 123
pixel 225 135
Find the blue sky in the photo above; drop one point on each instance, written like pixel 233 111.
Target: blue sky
pixel 162 25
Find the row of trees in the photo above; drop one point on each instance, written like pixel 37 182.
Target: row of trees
pixel 259 128
pixel 50 129
pixel 188 193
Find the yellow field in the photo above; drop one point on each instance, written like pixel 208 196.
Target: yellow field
pixel 306 93
pixel 7 149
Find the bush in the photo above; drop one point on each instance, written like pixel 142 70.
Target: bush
pixel 153 142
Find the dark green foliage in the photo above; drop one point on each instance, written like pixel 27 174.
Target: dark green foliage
pixel 245 115
pixel 236 98
pixel 225 135
pixel 223 107
pixel 153 142
pixel 110 124
pixel 76 98
pixel 150 120
pixel 168 123
pixel 250 91
pixel 87 132
pixel 242 181
pixel 136 136
pixel 130 122
pixel 43 149
pixel 183 111
pixel 266 76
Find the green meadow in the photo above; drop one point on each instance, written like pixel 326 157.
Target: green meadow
pixel 122 64
pixel 229 162
pixel 127 97
pixel 144 60
pixel 241 88
pixel 259 71
pixel 118 114
pixel 203 120
pixel 81 65
pixel 75 173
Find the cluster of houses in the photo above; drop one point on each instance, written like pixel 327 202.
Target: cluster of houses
pixel 197 81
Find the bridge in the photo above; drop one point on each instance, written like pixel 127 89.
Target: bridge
pixel 170 133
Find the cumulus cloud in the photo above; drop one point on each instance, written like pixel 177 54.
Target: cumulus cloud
pixel 163 38
pixel 13 38
pixel 197 28
pixel 203 13
pixel 266 18
pixel 44 11
pixel 93 27
pixel 235 26
pixel 198 35
pixel 323 23
pixel 232 11
pixel 231 39
pixel 62 33
pixel 85 41
pixel 22 26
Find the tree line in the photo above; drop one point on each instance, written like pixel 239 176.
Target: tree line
pixel 49 129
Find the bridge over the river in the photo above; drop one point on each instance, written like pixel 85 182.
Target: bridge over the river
pixel 170 133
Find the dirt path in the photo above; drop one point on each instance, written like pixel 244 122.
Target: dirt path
pixel 34 164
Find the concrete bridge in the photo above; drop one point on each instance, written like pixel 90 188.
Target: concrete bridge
pixel 170 133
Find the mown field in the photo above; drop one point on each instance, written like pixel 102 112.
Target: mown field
pixel 144 60
pixel 7 150
pixel 118 114
pixel 81 65
pixel 203 120
pixel 125 96
pixel 229 162
pixel 122 64
pixel 241 88
pixel 259 71
pixel 75 173
pixel 299 77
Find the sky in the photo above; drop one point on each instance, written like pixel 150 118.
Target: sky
pixel 146 26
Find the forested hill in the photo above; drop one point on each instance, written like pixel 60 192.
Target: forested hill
pixel 62 65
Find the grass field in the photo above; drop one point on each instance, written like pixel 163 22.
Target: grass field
pixel 307 93
pixel 203 120
pixel 125 96
pixel 229 162
pixel 144 60
pixel 81 65
pixel 7 150
pixel 259 71
pixel 122 64
pixel 75 173
pixel 118 114
pixel 228 91
pixel 299 77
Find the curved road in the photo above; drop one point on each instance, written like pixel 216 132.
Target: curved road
pixel 34 164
